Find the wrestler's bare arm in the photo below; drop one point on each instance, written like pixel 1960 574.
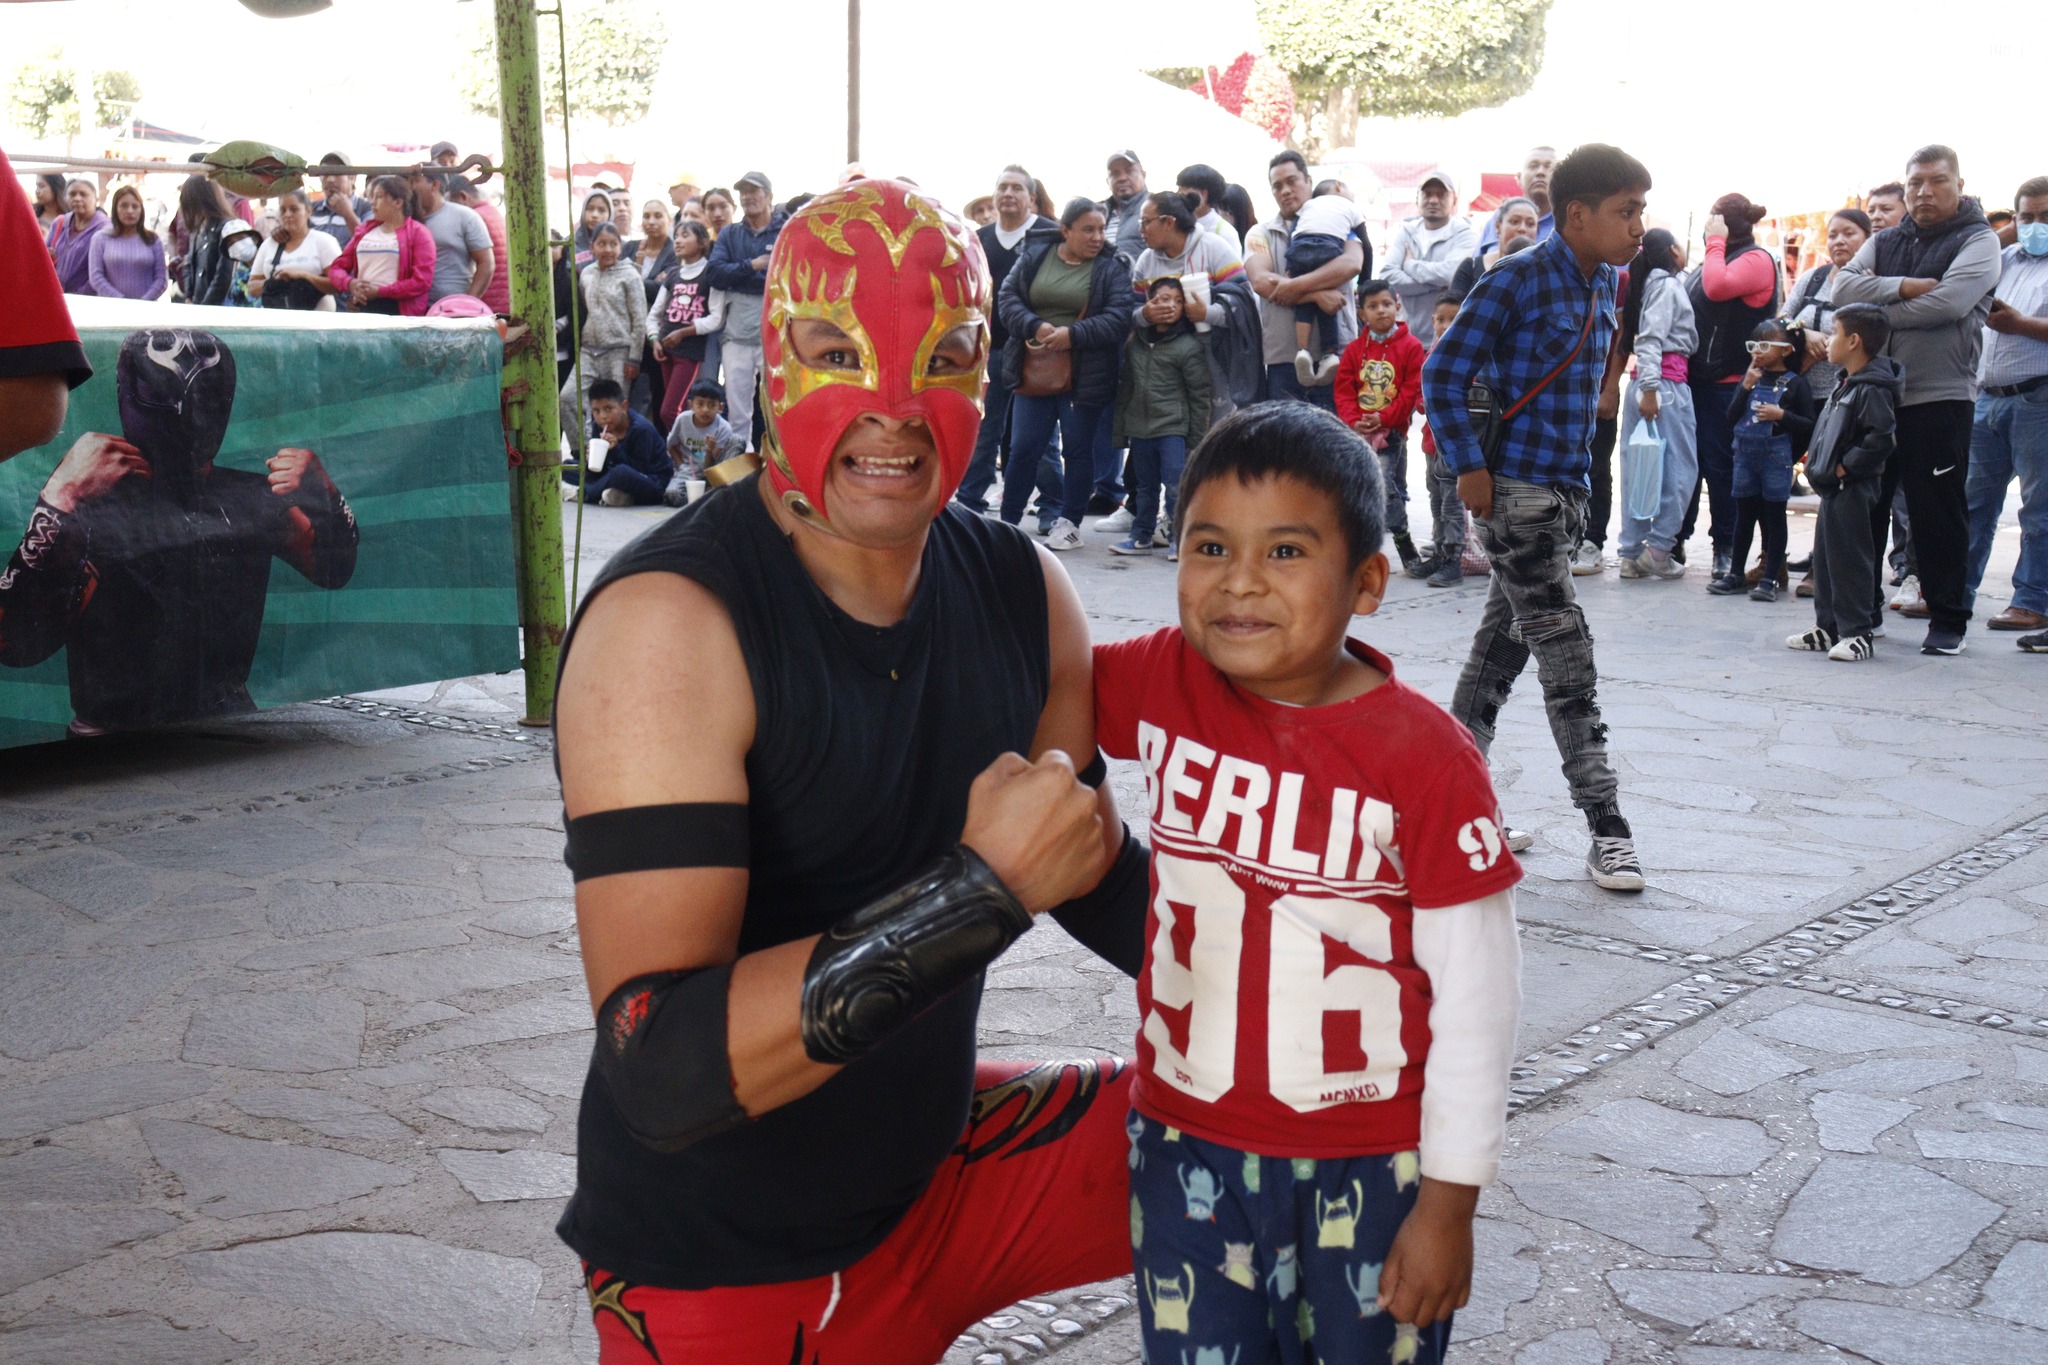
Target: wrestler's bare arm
pixel 656 707
pixel 1068 722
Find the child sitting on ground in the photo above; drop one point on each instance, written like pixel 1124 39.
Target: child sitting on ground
pixel 1162 408
pixel 1443 566
pixel 633 468
pixel 701 437
pixel 1331 977
pixel 1772 409
pixel 1852 440
pixel 1324 227
pixel 1378 387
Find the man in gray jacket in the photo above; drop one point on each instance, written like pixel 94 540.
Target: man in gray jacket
pixel 1933 275
pixel 1426 252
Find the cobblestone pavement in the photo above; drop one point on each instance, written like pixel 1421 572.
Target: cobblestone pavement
pixel 292 1025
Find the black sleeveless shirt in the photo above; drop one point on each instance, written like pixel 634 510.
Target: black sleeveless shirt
pixel 866 741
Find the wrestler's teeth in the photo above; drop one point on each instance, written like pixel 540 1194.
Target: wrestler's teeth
pixel 896 468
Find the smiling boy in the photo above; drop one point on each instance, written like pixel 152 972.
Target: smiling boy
pixel 1331 975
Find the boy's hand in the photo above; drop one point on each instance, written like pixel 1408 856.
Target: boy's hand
pixel 1648 404
pixel 1369 421
pixel 1475 490
pixel 1428 1274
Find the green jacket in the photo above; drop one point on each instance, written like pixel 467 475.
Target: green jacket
pixel 1164 387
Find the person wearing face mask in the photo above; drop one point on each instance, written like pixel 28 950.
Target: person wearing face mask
pixel 240 241
pixel 148 564
pixel 2009 436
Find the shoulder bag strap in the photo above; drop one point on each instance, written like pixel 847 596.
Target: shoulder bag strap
pixel 1562 365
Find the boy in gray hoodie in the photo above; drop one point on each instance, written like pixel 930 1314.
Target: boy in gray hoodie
pixel 1852 443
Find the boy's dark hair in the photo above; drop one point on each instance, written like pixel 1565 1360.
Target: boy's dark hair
pixel 1298 441
pixel 1867 322
pixel 1323 187
pixel 1594 173
pixel 1164 283
pixel 1290 157
pixel 1207 179
pixel 1372 287
pixel 706 388
pixel 1167 204
pixel 601 389
pixel 1446 297
pixel 1788 331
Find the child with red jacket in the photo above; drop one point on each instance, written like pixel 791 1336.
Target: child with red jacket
pixel 1378 388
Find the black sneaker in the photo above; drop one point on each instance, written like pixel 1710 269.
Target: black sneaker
pixel 2034 644
pixel 1612 858
pixel 1102 504
pixel 1766 590
pixel 1727 585
pixel 1449 574
pixel 1941 641
pixel 1423 567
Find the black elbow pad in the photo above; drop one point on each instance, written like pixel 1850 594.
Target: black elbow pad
pixel 661 1049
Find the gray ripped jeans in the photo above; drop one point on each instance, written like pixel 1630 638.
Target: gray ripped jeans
pixel 1531 610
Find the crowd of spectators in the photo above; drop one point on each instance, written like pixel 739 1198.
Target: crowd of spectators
pixel 1090 384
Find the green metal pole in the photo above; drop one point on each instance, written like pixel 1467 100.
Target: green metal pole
pixel 536 479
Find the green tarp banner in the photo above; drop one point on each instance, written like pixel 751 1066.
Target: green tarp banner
pixel 177 553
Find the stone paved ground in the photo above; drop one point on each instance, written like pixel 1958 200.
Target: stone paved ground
pixel 291 1025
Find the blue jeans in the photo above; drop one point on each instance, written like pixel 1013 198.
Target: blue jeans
pixel 1109 462
pixel 1154 460
pixel 1715 444
pixel 995 424
pixel 2008 440
pixel 640 487
pixel 1282 383
pixel 1032 422
pixel 1681 469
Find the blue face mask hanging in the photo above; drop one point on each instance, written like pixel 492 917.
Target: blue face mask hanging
pixel 2034 238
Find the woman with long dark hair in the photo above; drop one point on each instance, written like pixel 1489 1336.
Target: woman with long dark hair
pixel 1736 288
pixel 1657 328
pixel 388 266
pixel 209 272
pixel 1067 294
pixel 597 211
pixel 127 258
pixel 719 210
pixel 1811 303
pixel 50 205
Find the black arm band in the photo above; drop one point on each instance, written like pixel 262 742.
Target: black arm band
pixel 646 838
pixel 888 962
pixel 662 1052
pixel 1110 920
pixel 1097 769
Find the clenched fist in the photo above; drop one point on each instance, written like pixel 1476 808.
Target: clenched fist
pixel 1037 828
pixel 90 469
pixel 291 467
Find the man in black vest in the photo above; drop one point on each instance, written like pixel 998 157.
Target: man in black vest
pixel 1933 274
pixel 791 730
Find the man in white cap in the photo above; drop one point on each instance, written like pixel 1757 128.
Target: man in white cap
pixel 1126 202
pixel 1426 251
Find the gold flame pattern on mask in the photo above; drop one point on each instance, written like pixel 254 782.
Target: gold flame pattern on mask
pixel 797 294
pixel 947 315
pixel 830 214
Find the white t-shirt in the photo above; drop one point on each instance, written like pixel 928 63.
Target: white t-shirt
pixel 314 254
pixel 1328 215
pixel 1214 223
pixel 377 257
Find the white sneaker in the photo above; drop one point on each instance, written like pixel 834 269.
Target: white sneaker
pixel 1064 535
pixel 1907 595
pixel 1613 864
pixel 569 492
pixel 1587 560
pixel 1160 539
pixel 1815 640
pixel 1305 368
pixel 1633 566
pixel 1852 649
pixel 1518 840
pixel 615 497
pixel 1119 520
pixel 1326 369
pixel 1661 564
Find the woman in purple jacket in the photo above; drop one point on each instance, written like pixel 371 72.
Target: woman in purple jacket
pixel 70 239
pixel 127 260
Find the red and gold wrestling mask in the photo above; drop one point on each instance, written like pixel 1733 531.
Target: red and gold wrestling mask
pixel 896 274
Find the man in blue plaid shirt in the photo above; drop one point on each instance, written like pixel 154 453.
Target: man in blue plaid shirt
pixel 1544 317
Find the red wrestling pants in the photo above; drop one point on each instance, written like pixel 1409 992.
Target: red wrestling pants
pixel 1035 1198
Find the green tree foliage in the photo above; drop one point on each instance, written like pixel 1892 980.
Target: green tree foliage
pixel 42 99
pixel 615 51
pixel 1405 57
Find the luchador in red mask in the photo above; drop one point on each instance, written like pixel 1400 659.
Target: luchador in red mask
pixel 896 273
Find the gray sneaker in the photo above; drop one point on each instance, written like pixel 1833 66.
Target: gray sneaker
pixel 1659 564
pixel 1449 574
pixel 1632 566
pixel 1063 535
pixel 1587 560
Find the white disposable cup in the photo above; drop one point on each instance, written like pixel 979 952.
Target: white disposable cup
pixel 695 488
pixel 594 454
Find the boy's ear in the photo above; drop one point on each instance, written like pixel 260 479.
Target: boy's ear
pixel 1369 585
